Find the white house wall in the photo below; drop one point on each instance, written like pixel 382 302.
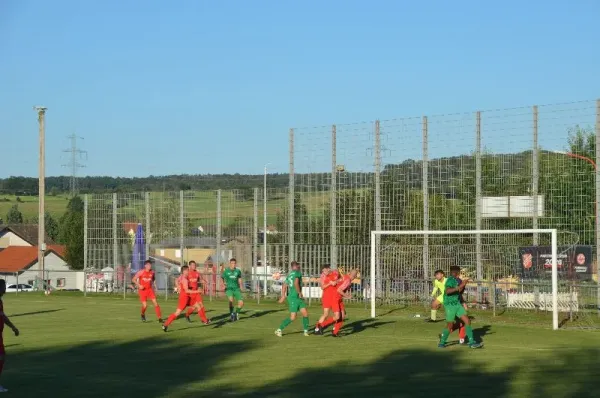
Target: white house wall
pixel 11 239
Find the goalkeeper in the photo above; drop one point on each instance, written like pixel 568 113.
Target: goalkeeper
pixel 438 294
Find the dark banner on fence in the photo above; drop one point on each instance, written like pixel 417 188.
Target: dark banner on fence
pixel 573 262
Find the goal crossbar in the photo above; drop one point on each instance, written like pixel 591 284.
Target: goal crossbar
pixel 475 232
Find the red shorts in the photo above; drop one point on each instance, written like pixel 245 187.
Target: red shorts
pixel 334 303
pixel 195 298
pixel 183 302
pixel 147 294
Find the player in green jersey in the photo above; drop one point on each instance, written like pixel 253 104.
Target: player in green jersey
pixel 292 290
pixel 232 277
pixel 454 308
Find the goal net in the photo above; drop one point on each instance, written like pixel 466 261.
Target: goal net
pixel 531 275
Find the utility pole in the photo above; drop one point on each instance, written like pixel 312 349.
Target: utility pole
pixel 41 111
pixel 73 162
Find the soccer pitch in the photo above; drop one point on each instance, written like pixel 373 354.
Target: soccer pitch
pixel 97 347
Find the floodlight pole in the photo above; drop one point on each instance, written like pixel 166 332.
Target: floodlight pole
pixel 41 111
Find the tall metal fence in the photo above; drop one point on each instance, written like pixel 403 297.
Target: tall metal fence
pixel 528 167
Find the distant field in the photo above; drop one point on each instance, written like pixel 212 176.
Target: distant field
pixel 55 205
pixel 198 205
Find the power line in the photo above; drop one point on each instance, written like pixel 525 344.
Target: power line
pixel 74 164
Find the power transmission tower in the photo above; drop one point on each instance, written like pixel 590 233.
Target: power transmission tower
pixel 74 164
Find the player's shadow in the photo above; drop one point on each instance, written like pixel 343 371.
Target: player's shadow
pixel 259 314
pixel 480 332
pixel 36 312
pixel 362 325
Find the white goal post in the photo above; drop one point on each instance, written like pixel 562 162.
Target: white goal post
pixel 554 253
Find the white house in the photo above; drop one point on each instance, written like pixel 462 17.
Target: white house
pixel 19 264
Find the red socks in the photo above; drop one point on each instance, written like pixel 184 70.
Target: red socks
pixel 462 332
pixel 1 365
pixel 338 326
pixel 158 313
pixel 327 322
pixel 144 310
pixel 202 313
pixel 170 320
pixel 189 312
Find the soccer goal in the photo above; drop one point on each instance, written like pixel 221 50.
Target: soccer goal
pixel 518 268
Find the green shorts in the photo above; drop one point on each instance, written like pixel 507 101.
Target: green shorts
pixel 235 293
pixel 295 304
pixel 454 311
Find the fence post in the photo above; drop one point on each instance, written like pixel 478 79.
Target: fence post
pixel 291 204
pixel 597 201
pixel 116 243
pixel 377 152
pixel 218 248
pixel 181 232
pixel 255 246
pixel 147 229
pixel 85 241
pixel 333 200
pixel 425 198
pixel 535 174
pixel 478 204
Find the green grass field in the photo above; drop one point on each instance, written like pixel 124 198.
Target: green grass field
pixel 97 347
pixel 55 205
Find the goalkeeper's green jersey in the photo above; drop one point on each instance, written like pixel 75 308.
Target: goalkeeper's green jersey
pixel 454 298
pixel 290 282
pixel 438 287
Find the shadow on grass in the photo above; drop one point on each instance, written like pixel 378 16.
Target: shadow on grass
pixel 149 367
pixel 362 325
pixel 36 313
pixel 422 373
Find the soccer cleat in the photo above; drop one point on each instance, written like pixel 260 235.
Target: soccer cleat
pixel 160 320
pixel 306 333
pixel 430 320
pixel 318 331
pixel 441 345
pixel 207 322
pixel 335 335
pixel 476 345
pixel 143 318
pixel 232 317
pixel 165 328
pixel 236 316
pixel 188 319
pixel 278 333
pixel 2 389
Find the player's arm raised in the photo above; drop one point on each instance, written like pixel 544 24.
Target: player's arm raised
pixel 342 290
pixel 283 293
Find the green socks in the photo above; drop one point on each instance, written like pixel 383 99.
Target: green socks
pixel 445 335
pixel 305 323
pixel 238 310
pixel 433 315
pixel 285 323
pixel 230 308
pixel 469 331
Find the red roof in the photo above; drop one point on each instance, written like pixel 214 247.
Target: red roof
pixel 18 258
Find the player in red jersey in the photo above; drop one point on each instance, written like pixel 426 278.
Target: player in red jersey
pixel 4 321
pixel 343 292
pixel 194 281
pixel 144 281
pixel 185 294
pixel 329 280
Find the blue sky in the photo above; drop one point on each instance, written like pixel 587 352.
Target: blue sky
pixel 170 87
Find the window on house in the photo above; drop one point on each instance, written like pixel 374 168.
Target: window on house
pixel 61 282
pixel 31 282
